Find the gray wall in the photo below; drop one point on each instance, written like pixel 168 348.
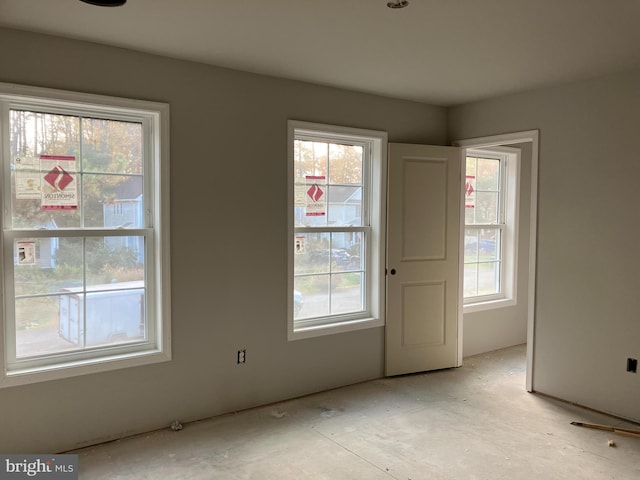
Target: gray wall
pixel 587 301
pixel 497 328
pixel 228 245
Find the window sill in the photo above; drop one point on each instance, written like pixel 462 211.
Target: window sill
pixel 331 329
pixel 489 305
pixel 27 376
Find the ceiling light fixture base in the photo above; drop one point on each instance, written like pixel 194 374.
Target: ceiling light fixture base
pixel 398 4
pixel 105 3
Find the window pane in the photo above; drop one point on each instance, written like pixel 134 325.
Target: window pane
pixel 32 199
pixel 56 323
pixel 486 207
pixel 45 265
pixel 470 280
pixel 488 174
pixel 346 293
pixel 310 170
pixel 314 291
pixel 345 164
pixel 35 133
pixel 114 260
pixel 489 242
pixel 340 259
pixel 319 259
pixel 343 244
pixel 113 316
pixel 471 166
pixel 470 215
pixel 38 325
pixel 345 206
pixel 328 184
pixel 44 192
pixel 356 242
pixel 111 146
pixel 328 252
pixel 488 278
pixel 311 253
pixel 310 158
pixel 113 201
pixel 470 245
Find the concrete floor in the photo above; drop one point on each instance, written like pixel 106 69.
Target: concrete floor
pixel 474 422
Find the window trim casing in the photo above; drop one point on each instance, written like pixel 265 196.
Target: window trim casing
pixel 509 272
pixel 156 138
pixel 376 287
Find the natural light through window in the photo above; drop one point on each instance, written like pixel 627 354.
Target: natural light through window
pixel 335 213
pixel 82 236
pixel 490 225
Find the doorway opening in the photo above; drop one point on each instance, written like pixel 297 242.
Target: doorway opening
pixel 498 310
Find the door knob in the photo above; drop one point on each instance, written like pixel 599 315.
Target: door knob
pixel 393 271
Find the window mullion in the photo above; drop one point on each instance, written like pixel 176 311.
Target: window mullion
pixel 331 229
pixel 83 294
pixel 485 226
pixel 6 222
pixel 12 235
pixel 80 171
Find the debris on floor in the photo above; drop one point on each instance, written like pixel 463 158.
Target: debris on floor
pixel 176 425
pixel 611 443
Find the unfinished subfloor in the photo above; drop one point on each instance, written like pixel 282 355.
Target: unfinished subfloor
pixel 473 422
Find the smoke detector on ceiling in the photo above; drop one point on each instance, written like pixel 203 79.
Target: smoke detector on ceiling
pixel 398 4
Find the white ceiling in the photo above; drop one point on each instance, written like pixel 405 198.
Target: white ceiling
pixel 442 52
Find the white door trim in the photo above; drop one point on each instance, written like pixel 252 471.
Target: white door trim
pixel 510 139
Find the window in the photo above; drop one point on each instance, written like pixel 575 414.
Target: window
pixel 85 233
pixel 490 227
pixel 336 249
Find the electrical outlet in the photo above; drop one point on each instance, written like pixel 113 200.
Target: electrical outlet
pixel 632 365
pixel 242 356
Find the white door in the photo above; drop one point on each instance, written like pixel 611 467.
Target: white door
pixel 423 276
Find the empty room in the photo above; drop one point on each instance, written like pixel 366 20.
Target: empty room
pixel 337 239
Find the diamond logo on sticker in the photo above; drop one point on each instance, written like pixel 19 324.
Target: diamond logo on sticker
pixel 58 178
pixel 315 193
pixel 469 188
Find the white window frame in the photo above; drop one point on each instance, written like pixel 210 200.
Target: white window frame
pixel 509 206
pixel 375 146
pixel 157 348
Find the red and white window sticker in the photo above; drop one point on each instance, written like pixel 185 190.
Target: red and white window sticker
pixel 59 189
pixel 316 195
pixel 470 192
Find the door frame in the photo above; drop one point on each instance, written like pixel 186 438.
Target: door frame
pixel 529 136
